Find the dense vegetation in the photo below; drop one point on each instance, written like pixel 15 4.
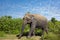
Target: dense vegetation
pixel 9 25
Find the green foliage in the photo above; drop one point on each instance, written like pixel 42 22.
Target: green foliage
pixel 53 20
pixel 9 25
pixel 55 28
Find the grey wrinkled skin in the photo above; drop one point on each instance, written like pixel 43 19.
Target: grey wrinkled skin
pixel 35 21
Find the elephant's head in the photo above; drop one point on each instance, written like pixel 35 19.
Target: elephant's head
pixel 28 18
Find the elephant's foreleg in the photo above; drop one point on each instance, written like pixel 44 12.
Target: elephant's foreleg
pixel 33 25
pixel 42 37
pixel 33 33
pixel 46 30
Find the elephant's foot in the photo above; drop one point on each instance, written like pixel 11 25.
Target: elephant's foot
pixel 19 36
pixel 34 35
pixel 42 37
pixel 28 36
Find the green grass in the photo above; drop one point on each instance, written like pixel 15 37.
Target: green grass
pixel 13 37
pixel 2 34
pixel 51 36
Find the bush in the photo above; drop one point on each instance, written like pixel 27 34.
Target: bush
pixel 9 25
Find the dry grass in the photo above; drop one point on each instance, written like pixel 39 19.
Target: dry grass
pixel 13 37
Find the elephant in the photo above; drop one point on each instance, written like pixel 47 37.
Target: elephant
pixel 35 21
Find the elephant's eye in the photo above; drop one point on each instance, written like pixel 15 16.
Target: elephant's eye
pixel 27 19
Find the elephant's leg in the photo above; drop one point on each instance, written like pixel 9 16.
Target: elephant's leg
pixel 33 33
pixel 42 37
pixel 33 25
pixel 46 30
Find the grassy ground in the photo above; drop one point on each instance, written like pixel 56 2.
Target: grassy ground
pixel 50 36
pixel 13 37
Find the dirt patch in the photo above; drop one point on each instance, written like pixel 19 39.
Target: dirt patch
pixel 13 37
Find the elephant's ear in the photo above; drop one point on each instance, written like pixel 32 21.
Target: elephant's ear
pixel 32 16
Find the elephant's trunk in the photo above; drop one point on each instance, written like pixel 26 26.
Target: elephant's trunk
pixel 23 26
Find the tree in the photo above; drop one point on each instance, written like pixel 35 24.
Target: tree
pixel 53 20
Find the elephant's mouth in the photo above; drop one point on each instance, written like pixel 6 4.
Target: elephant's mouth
pixel 29 21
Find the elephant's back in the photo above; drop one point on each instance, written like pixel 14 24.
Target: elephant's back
pixel 39 17
pixel 41 20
